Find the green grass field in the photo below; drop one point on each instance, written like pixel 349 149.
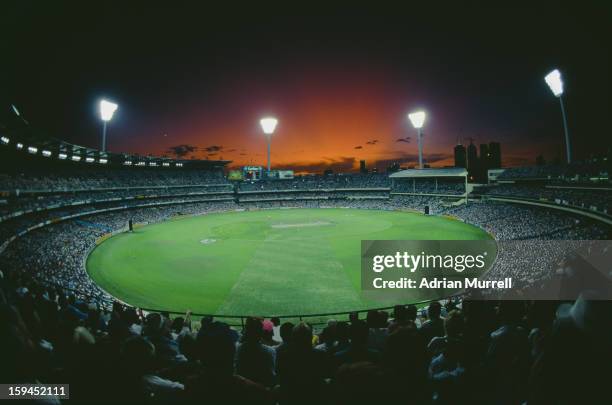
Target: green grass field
pixel 268 262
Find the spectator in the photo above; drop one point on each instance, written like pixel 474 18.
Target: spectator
pixel 434 326
pixel 358 348
pixel 254 360
pixel 301 368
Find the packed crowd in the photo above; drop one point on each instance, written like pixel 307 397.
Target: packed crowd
pixel 62 246
pixel 55 254
pixel 318 195
pixel 315 182
pixel 47 201
pixel 598 198
pixel 92 178
pixel 429 186
pixel 576 171
pixel 56 325
pixel 509 222
pixel 458 351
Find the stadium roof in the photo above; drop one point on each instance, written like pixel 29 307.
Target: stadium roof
pixel 21 132
pixel 421 173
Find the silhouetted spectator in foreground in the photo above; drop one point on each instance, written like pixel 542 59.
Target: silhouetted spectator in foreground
pixel 362 383
pixel 404 360
pixel 573 366
pixel 453 326
pixel 358 348
pixel 216 381
pixel 138 380
pixel 255 360
pixel 434 326
pixel 301 368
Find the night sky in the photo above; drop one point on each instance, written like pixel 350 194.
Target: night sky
pixel 195 81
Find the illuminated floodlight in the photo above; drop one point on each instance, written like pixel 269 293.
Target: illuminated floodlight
pixel 5 140
pixel 62 156
pixel 90 159
pixel 19 145
pixel 128 163
pixel 268 125
pixel 553 79
pixel 107 109
pixel 103 161
pixel 46 153
pixel 166 164
pixel 33 150
pixel 152 163
pixel 15 110
pixel 179 165
pixel 76 158
pixel 417 119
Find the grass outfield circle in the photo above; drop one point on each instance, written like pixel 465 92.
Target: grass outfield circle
pixel 263 262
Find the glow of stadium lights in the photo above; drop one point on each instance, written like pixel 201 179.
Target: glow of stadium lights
pixel 152 164
pixel 103 161
pixel 89 159
pixel 179 165
pixel 417 119
pixel 107 109
pixel 268 124
pixel 62 156
pixel 33 150
pixel 76 158
pixel 554 81
pixel 127 163
pixel 166 164
pixel 5 140
pixel 46 153
pixel 19 145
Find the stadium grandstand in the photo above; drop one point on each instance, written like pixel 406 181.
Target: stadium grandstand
pixel 58 200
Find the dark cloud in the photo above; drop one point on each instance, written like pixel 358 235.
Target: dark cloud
pixel 213 148
pixel 406 139
pixel 372 142
pixel 358 147
pixel 341 164
pixel 180 151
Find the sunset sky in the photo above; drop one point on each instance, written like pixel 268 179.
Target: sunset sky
pixel 196 82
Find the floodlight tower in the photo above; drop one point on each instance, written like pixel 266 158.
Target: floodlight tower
pixel 268 125
pixel 554 81
pixel 107 109
pixel 418 119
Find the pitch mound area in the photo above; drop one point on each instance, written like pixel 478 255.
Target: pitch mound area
pixel 309 264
